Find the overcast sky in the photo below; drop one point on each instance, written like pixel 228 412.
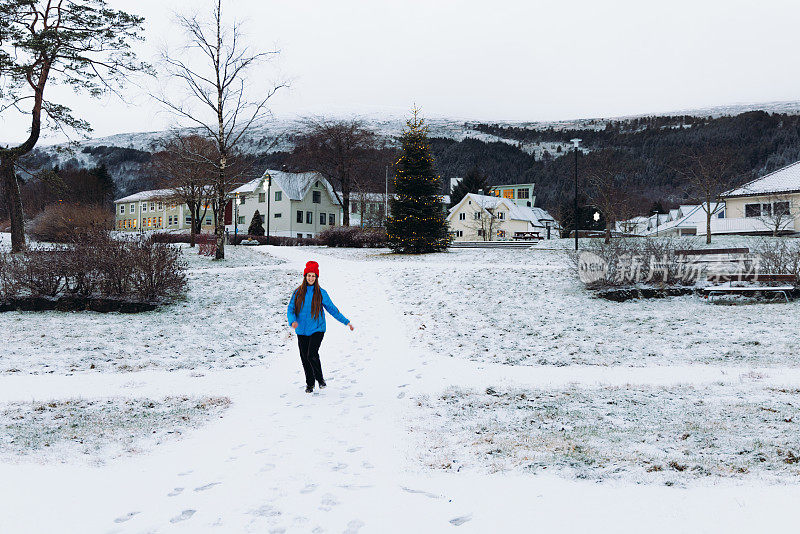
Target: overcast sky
pixel 501 60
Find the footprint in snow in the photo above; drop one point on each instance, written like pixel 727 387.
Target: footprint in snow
pixel 267 467
pixel 207 486
pixel 458 521
pixel 185 473
pixel 401 394
pixel 262 451
pixel 126 517
pixel 328 501
pixel 354 526
pixel 309 488
pixel 265 511
pixel 339 467
pixel 277 530
pixel 176 491
pixel 183 516
pixel 354 449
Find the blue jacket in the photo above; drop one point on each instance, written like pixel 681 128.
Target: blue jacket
pixel 306 324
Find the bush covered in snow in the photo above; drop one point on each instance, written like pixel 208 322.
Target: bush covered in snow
pixel 96 266
pixel 353 237
pixel 778 255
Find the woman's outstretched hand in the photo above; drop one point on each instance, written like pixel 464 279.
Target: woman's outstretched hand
pixel 294 325
pixel 351 326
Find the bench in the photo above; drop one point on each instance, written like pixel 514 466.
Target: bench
pixel 717 259
pixel 789 282
pixel 527 235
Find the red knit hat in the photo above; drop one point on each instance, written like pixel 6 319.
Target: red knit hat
pixel 312 267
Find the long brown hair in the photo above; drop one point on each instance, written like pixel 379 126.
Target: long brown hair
pixel 300 297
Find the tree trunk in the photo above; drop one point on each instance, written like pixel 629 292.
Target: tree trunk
pixel 708 224
pixel 14 203
pixel 219 227
pixel 608 233
pixel 345 205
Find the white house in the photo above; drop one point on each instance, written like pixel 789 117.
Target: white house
pixel 153 210
pixel 298 204
pixel 491 218
pixel 684 220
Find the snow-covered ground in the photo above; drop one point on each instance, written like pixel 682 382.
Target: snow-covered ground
pixel 677 416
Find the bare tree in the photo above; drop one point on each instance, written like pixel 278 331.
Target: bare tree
pixel 80 43
pixel 213 67
pixel 183 168
pixel 484 221
pixel 341 151
pixel 709 173
pixel 778 213
pixel 608 193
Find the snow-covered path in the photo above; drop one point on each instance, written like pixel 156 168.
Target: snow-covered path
pixel 339 460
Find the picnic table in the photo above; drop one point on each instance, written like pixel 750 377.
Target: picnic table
pixel 788 283
pixel 527 235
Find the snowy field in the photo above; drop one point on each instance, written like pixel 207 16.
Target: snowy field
pixel 482 390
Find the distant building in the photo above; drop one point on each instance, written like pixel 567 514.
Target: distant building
pixel 493 218
pixel 520 194
pixel 300 204
pixel 684 220
pixel 155 210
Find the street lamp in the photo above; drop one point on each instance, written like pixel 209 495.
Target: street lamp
pixel 269 185
pixel 575 143
pixel 235 217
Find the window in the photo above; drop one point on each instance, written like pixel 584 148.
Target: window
pixel 322 218
pixel 241 219
pixel 263 218
pixel 501 215
pixel 353 207
pixel 508 193
pixel 476 215
pixel 752 210
pixel 262 197
pixel 122 208
pixel 459 233
pixel 299 216
pixel 766 210
pixel 501 233
pixel 241 200
pixel 317 184
pixel 480 232
pixel 308 236
pixel 278 215
pixel 144 207
pixel 309 217
pixel 160 206
pixel 208 221
pixel 522 193
pixel 132 208
pixel 780 208
pixel 332 219
pixel 160 222
pixel 462 216
pixel 188 220
pixel 299 236
pixel 278 196
pixel 152 206
pixel 316 197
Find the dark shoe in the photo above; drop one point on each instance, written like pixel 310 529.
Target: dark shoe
pixel 309 389
pixel 322 384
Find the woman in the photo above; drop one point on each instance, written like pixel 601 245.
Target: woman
pixel 306 315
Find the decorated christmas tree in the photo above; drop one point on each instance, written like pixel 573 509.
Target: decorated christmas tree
pixel 417 224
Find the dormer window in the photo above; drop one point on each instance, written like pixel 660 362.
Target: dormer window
pixel 316 197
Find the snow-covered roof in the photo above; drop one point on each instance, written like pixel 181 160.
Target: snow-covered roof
pixel 147 195
pixel 536 216
pixel 785 180
pixel 294 185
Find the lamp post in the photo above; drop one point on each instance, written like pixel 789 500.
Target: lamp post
pixel 235 217
pixel 269 199
pixel 575 143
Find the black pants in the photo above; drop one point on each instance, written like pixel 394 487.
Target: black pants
pixel 309 355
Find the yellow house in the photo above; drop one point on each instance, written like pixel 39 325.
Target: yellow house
pixel 769 204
